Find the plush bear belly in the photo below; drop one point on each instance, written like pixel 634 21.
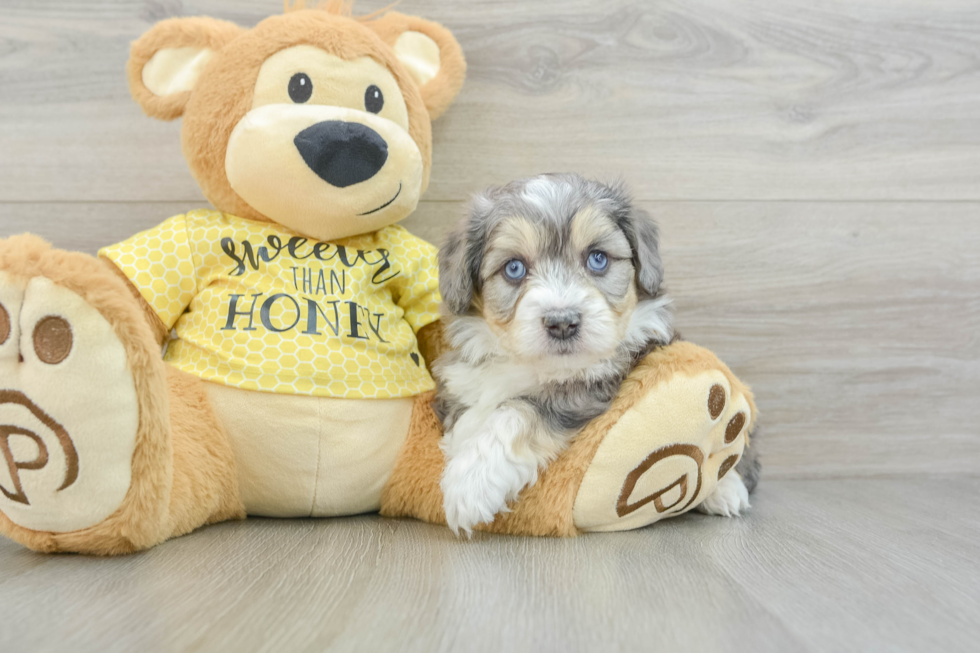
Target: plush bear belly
pixel 301 456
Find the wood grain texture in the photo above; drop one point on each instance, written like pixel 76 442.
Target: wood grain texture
pixel 767 99
pixel 774 140
pixel 856 323
pixel 850 565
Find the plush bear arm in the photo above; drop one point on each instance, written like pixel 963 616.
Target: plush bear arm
pixel 432 342
pixel 160 331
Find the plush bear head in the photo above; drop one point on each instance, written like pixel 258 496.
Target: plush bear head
pixel 314 120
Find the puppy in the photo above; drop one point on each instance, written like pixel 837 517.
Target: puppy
pixel 553 289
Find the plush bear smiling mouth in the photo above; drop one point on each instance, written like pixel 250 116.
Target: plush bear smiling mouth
pixel 386 204
pixel 327 172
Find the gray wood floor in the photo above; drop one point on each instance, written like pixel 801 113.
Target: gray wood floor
pixel 847 565
pixel 815 166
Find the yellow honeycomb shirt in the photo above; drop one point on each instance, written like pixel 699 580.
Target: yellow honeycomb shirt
pixel 257 307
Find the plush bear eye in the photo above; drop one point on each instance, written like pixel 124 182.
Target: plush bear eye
pixel 374 100
pixel 300 88
pixel 515 270
pixel 598 261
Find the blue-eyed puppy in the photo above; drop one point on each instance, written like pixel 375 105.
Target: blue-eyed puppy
pixel 553 289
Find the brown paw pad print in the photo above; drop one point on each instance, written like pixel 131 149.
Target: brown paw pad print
pixel 41 460
pixel 716 401
pixel 670 497
pixel 52 336
pixel 716 405
pixel 666 453
pixel 52 339
pixel 681 478
pixel 727 465
pixel 4 324
pixel 735 426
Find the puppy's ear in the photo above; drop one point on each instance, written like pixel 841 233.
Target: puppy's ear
pixel 165 63
pixel 646 251
pixel 462 255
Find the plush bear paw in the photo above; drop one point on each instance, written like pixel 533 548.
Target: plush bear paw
pixel 672 450
pixel 68 408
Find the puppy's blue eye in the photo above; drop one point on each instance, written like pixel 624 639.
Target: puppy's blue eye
pixel 515 270
pixel 598 261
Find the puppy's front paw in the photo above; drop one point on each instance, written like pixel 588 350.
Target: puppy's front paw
pixel 471 493
pixel 730 498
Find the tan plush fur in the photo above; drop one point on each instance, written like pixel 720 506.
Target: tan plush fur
pixel 432 342
pixel 544 509
pixel 162 501
pixel 173 33
pixel 438 93
pixel 413 489
pixel 141 520
pixel 160 331
pixel 205 489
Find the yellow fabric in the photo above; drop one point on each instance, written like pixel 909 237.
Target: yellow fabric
pixel 260 308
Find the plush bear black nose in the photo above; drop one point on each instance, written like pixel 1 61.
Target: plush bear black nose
pixel 342 153
pixel 562 325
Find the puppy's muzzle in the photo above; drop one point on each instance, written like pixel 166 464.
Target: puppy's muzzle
pixel 342 153
pixel 562 325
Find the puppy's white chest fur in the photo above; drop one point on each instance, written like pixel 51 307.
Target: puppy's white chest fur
pixel 489 384
pixel 482 389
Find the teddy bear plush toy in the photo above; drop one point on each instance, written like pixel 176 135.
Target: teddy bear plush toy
pixel 297 317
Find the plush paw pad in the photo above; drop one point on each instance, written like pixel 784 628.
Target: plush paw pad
pixel 68 409
pixel 666 454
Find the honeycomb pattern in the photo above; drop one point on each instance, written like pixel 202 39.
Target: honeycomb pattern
pixel 297 317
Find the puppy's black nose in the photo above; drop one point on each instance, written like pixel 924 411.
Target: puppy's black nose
pixel 342 153
pixel 562 325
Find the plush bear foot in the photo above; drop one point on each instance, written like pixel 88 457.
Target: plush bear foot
pixel 68 405
pixel 667 444
pixel 72 419
pixel 675 447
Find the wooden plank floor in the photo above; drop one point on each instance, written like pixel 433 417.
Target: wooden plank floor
pixel 846 565
pixel 815 166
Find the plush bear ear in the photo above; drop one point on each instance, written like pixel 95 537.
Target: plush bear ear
pixel 430 53
pixel 165 63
